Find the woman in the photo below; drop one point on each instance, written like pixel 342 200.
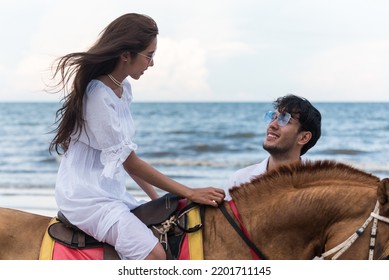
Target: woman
pixel 95 131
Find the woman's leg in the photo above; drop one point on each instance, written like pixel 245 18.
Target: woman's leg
pixel 158 253
pixel 133 240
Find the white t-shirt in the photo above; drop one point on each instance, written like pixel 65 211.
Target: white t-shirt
pixel 245 175
pixel 90 188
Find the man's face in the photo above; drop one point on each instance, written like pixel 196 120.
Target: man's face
pixel 282 138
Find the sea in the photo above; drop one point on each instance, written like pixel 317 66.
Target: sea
pixel 197 144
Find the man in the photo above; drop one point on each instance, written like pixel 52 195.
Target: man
pixel 293 128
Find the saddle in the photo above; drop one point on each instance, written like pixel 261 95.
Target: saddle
pixel 165 216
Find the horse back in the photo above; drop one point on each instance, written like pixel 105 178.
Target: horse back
pixel 21 234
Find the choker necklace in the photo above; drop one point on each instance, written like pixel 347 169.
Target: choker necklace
pixel 116 82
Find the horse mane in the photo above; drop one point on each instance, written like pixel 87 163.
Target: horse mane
pixel 306 174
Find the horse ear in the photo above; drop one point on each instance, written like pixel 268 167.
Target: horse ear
pixel 383 195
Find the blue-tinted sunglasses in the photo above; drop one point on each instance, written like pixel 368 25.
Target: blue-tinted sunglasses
pixel 282 118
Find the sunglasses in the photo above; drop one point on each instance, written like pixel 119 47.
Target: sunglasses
pixel 282 118
pixel 149 57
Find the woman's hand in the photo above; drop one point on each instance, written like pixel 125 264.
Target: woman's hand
pixel 209 196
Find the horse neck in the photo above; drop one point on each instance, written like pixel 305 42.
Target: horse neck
pixel 221 241
pixel 296 223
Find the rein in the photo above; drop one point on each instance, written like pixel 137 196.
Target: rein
pixel 241 230
pixel 341 248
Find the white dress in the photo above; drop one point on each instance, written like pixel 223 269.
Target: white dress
pixel 90 188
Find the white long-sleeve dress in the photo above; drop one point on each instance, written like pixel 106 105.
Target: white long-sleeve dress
pixel 90 188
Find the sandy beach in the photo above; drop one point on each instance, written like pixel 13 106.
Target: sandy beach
pixel 39 201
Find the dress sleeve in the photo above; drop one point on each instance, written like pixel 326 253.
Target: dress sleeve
pixel 102 118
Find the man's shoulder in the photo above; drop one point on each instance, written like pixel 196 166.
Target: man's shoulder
pixel 245 174
pixel 248 169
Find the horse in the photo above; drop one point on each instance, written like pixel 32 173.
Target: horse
pixel 298 212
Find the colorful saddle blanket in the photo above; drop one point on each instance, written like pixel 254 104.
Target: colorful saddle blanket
pixel 65 242
pixel 52 249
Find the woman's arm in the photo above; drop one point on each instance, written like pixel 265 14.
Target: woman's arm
pixel 136 166
pixel 146 187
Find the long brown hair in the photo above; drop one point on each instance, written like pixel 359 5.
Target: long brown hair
pixel 130 32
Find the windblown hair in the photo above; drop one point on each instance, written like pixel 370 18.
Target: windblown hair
pixel 308 116
pixel 131 33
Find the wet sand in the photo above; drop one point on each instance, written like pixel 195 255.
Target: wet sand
pixel 39 201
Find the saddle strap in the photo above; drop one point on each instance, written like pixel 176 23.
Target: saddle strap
pixel 187 209
pixel 257 254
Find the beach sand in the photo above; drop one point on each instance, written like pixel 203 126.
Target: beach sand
pixel 38 201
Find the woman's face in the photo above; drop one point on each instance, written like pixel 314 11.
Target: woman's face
pixel 143 60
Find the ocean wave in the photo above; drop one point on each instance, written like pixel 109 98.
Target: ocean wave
pixel 378 169
pixel 180 162
pixel 206 148
pixel 170 139
pixel 183 132
pixel 18 192
pixel 158 154
pixel 33 193
pixel 54 158
pixel 371 166
pixel 350 152
pixel 241 135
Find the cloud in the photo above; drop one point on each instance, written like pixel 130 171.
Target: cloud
pixel 227 49
pixel 179 73
pixel 221 50
pixel 349 72
pixel 60 28
pixel 182 70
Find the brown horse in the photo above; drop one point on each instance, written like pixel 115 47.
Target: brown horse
pixel 296 212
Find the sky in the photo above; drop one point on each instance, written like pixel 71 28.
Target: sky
pixel 211 50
